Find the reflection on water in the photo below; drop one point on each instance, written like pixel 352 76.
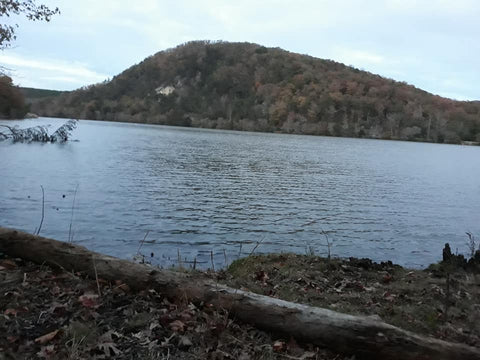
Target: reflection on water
pixel 199 191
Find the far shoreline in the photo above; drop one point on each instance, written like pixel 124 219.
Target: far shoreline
pixel 422 141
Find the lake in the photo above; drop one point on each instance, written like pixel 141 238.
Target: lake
pixel 200 191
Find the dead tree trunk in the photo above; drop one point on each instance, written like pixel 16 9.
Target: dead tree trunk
pixel 360 335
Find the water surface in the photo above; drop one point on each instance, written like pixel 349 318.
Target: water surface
pixel 199 191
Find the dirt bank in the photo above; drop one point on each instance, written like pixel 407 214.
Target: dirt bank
pixel 416 300
pixel 53 314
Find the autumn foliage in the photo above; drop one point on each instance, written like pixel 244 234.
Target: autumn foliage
pixel 12 104
pixel 245 86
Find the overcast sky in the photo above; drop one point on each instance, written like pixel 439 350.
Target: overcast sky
pixel 432 44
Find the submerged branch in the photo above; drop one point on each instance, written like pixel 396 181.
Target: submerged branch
pixel 38 133
pixel 64 131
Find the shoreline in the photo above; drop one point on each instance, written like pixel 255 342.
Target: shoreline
pixel 52 313
pixel 423 141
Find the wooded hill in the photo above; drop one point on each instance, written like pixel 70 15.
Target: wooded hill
pixel 12 102
pixel 245 86
pixel 32 95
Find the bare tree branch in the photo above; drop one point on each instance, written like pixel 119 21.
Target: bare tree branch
pixel 39 133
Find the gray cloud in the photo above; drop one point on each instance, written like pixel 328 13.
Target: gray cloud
pixel 421 42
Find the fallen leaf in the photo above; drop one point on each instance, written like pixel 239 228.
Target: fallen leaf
pixel 124 287
pixel 279 346
pixel 355 285
pixel 58 310
pixel 177 326
pixel 184 342
pixel 389 297
pixel 109 349
pixel 244 356
pixel 261 276
pixel 166 342
pixel 8 264
pixel 47 337
pixel 89 300
pixel 219 354
pixel 308 355
pixel 13 312
pixel 387 278
pixel 185 316
pixel 154 325
pixel 12 339
pixel 46 351
pixel 55 290
pixel 110 336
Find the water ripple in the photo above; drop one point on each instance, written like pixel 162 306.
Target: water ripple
pixel 199 191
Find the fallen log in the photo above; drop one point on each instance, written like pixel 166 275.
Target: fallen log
pixel 360 335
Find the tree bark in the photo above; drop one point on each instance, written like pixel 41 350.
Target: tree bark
pixel 360 335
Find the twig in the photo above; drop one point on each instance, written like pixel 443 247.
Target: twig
pixel 72 274
pixel 294 357
pixel 447 296
pixel 329 244
pixel 211 259
pixel 224 354
pixel 256 246
pixel 73 347
pixel 234 338
pixel 225 256
pixel 40 316
pixel 194 263
pixel 141 243
pixel 309 250
pixel 471 243
pixel 179 259
pixel 70 234
pixel 43 211
pixel 96 276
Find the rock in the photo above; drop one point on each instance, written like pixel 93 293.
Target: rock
pixel 31 116
pixel 361 263
pixel 447 253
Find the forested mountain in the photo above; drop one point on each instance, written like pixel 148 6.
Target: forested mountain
pixel 32 95
pixel 245 86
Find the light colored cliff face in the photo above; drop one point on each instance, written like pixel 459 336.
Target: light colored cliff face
pixel 165 90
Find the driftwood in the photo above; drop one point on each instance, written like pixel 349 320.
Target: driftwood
pixel 360 335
